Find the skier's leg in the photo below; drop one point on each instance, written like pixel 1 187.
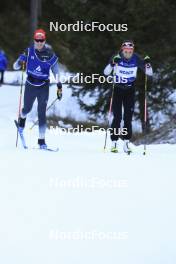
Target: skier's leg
pixel 117 114
pixel 30 95
pixel 128 104
pixel 42 98
pixel 2 77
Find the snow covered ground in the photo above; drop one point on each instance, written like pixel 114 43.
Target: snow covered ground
pixel 63 207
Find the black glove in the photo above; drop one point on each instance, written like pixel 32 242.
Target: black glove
pixel 115 60
pixel 22 60
pixel 59 90
pixel 147 62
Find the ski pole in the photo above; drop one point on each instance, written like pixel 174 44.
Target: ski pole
pixel 20 99
pixel 46 111
pixel 145 114
pixel 109 112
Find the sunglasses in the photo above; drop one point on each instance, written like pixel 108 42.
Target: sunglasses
pixel 39 40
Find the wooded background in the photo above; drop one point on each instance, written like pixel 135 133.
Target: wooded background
pixel 151 24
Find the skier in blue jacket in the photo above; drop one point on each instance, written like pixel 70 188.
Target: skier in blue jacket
pixel 3 65
pixel 38 59
pixel 124 66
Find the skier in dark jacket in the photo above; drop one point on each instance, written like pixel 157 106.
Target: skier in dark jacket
pixel 3 65
pixel 38 59
pixel 124 67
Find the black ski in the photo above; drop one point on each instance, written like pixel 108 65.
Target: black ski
pixel 48 149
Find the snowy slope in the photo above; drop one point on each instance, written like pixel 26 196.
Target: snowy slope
pixel 47 197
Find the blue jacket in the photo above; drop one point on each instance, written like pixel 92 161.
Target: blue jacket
pixel 3 61
pixel 126 72
pixel 38 64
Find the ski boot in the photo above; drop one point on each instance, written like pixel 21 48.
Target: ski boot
pixel 114 147
pixel 126 147
pixel 42 144
pixel 21 125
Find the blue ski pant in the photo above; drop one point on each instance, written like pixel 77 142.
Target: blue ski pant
pixel 41 93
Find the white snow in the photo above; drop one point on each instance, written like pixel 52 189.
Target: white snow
pixel 82 189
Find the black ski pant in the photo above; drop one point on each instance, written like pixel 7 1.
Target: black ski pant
pixel 123 97
pixel 2 76
pixel 41 93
